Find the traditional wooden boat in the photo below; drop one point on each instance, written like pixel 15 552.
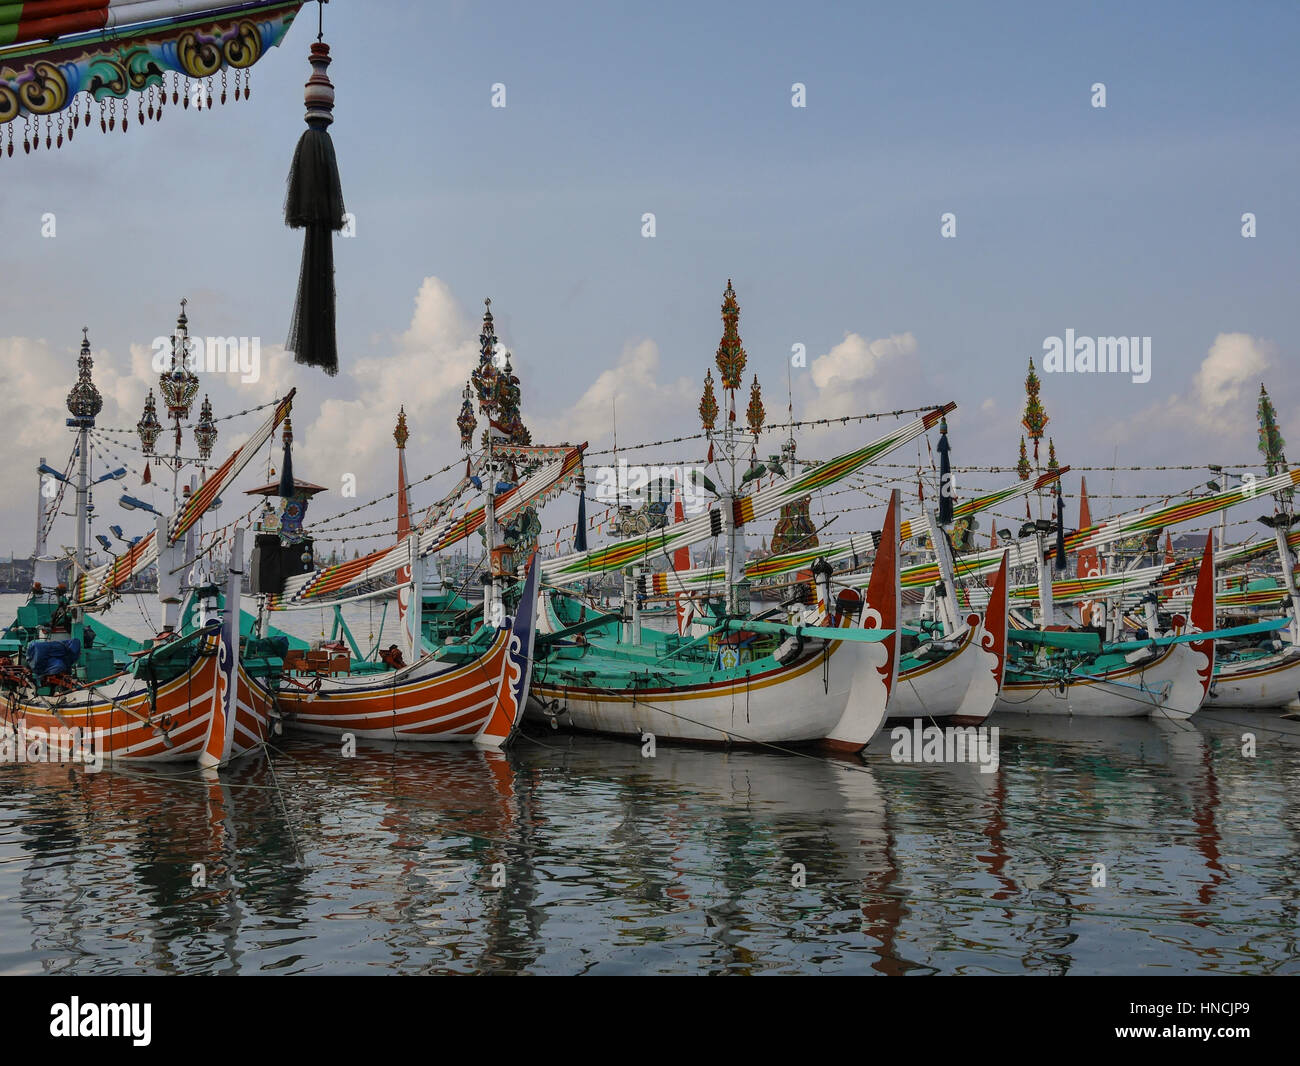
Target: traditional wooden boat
pixel 465 675
pixel 476 693
pixel 176 697
pixel 1074 674
pixel 733 679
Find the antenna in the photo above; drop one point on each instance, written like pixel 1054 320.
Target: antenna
pixel 618 491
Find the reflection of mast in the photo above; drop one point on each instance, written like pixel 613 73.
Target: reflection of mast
pixel 1207 835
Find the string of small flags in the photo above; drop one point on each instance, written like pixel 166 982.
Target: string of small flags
pixel 813 423
pixel 1073 467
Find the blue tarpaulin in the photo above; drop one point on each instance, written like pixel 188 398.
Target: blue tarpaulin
pixel 47 657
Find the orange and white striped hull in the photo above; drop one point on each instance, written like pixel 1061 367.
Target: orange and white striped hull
pixel 253 708
pixel 122 723
pixel 481 702
pixel 428 702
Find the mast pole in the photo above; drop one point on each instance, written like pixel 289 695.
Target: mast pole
pixel 84 403
pixel 40 510
pixel 489 533
pixel 1047 613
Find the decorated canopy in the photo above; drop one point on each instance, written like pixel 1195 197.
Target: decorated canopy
pixel 62 60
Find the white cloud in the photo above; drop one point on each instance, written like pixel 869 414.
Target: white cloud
pixel 860 375
pixel 1230 374
pixel 646 408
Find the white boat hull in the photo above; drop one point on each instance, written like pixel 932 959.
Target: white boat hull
pixel 792 704
pixel 1170 686
pixel 1270 681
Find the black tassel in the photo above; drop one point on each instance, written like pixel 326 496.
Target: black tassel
pixel 286 467
pixel 1060 529
pixel 314 203
pixel 580 533
pixel 945 477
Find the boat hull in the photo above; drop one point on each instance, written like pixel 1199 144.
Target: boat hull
pixel 429 702
pixel 797 703
pixel 174 726
pixel 1171 686
pixel 960 688
pixel 1267 682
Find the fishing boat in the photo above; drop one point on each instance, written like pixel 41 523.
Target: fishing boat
pixel 1076 674
pixel 173 698
pixel 944 666
pixel 1248 674
pixel 462 673
pixel 807 678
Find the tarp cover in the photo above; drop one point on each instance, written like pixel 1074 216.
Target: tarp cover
pixel 47 657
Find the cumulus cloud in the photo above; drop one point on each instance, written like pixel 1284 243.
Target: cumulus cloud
pixel 1231 372
pixel 859 375
pixel 644 405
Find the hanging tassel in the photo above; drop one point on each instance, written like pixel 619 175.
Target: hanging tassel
pixel 1060 529
pixel 314 203
pixel 580 530
pixel 148 477
pixel 710 457
pixel 945 476
pixel 286 468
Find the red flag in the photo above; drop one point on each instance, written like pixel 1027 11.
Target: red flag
pixel 682 556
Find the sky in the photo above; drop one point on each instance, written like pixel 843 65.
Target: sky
pixel 1117 221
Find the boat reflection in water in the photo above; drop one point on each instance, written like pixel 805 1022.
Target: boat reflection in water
pixel 578 854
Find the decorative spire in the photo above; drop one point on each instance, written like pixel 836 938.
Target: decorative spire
pixel 179 385
pixel 465 421
pixel 754 412
pixel 286 490
pixel 731 354
pixel 1035 420
pixel 1270 437
pixel 84 400
pixel 314 203
pixel 1022 465
pixel 401 434
pixel 1052 464
pixel 149 427
pixel 708 403
pixel 484 377
pixel 205 431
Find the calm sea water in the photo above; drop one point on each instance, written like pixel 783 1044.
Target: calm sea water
pixel 579 855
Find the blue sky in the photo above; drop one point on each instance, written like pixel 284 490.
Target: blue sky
pixel 1123 220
